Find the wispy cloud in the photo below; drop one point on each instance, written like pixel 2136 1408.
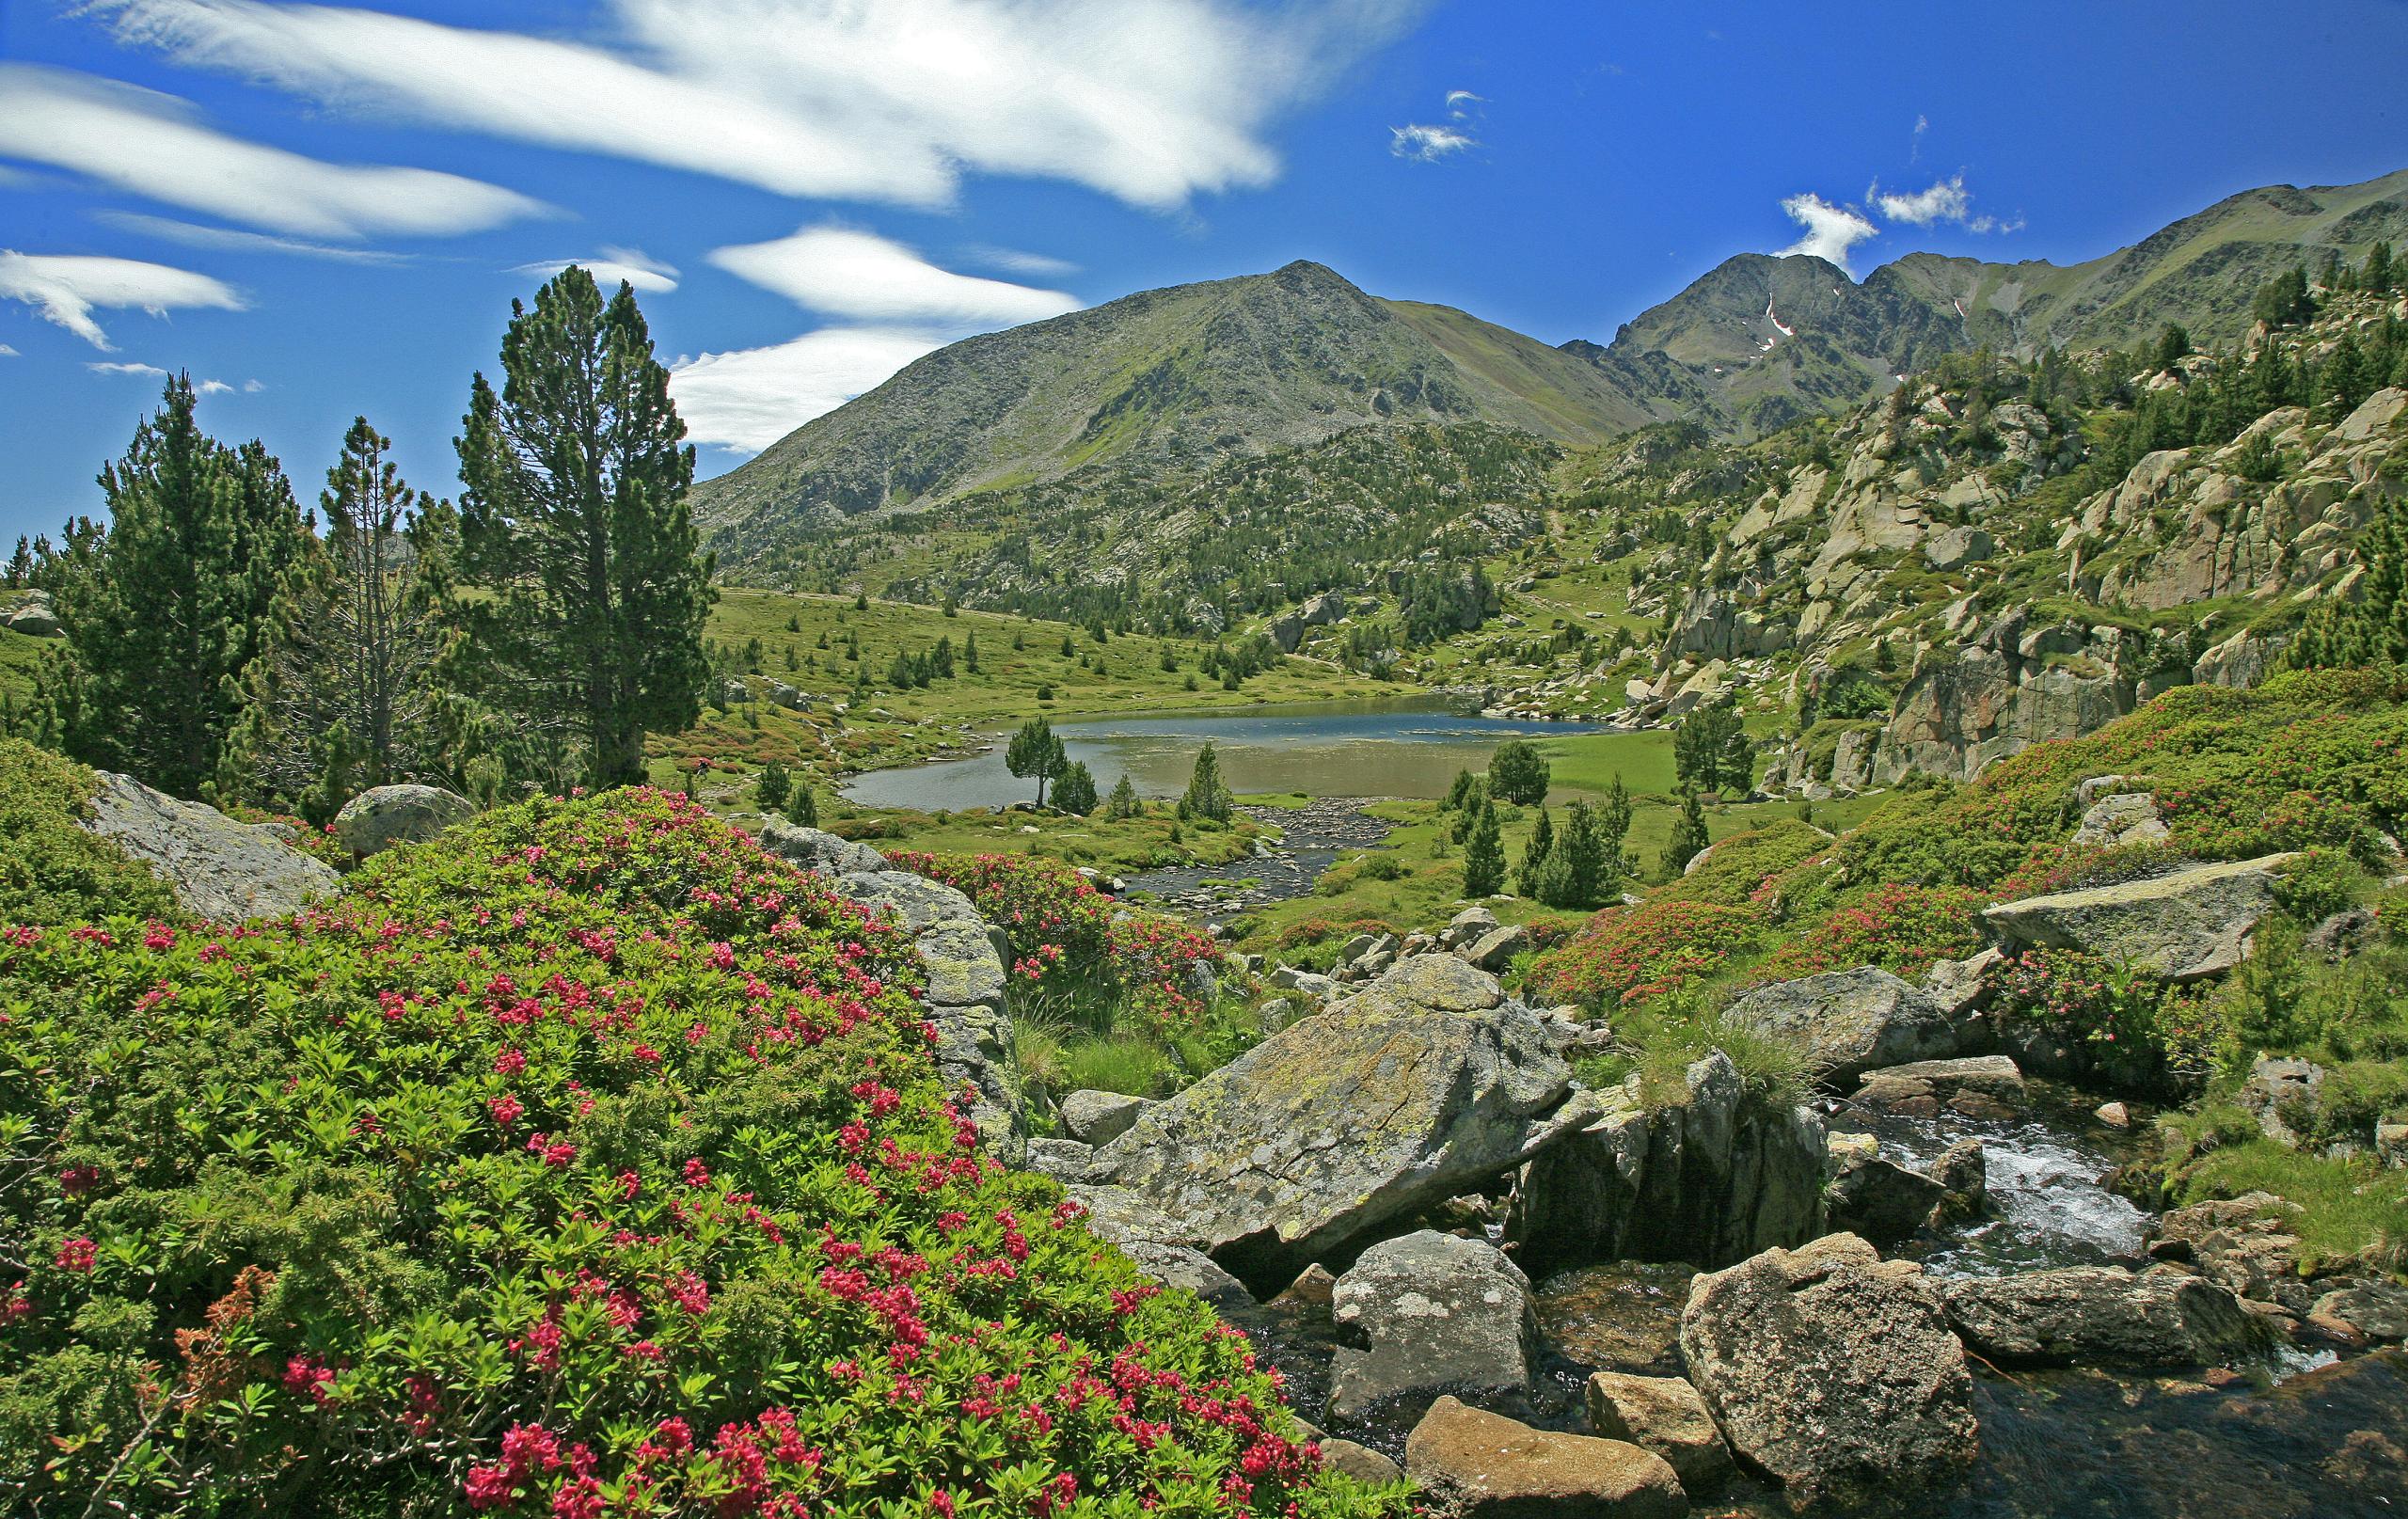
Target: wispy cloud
pixel 65 288
pixel 1149 101
pixel 7 352
pixel 154 146
pixel 214 387
pixel 1012 260
pixel 252 387
pixel 614 265
pixel 151 370
pixel 1426 142
pixel 1831 230
pixel 1946 200
pixel 748 399
pixel 866 278
pixel 192 234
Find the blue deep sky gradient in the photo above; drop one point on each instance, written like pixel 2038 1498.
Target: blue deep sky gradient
pixel 1622 150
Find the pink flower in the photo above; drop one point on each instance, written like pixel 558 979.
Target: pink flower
pixel 77 1255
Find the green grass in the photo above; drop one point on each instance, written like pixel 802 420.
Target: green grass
pixel 2352 1208
pixel 1589 760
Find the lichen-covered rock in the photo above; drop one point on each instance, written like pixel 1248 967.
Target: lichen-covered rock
pixel 1877 1199
pixel 2103 1315
pixel 1425 1083
pixel 1831 1370
pixel 1427 1314
pixel 219 868
pixel 1475 1465
pixel 1852 1022
pixel 2125 818
pixel 1663 1415
pixel 812 849
pixel 962 956
pixel 2182 925
pixel 1707 1178
pixel 1099 1117
pixel 383 817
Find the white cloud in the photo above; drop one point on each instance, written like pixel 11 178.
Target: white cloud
pixel 151 370
pixel 614 265
pixel 1945 201
pixel 152 145
pixel 252 387
pixel 1149 101
pixel 748 399
pixel 1040 265
pixel 1831 230
pixel 64 289
pixel 1426 144
pixel 1458 98
pixel 865 277
pixel 192 235
pixel 214 387
pixel 7 352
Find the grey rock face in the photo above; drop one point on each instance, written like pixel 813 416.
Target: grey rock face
pixel 1422 1086
pixel 381 816
pixel 2183 926
pixel 34 618
pixel 2103 1315
pixel 1496 949
pixel 1955 547
pixel 1706 1179
pixel 1852 1021
pixel 2281 1092
pixel 1878 1199
pixel 1100 1118
pixel 1432 1314
pixel 219 868
pixel 1831 1370
pixel 812 849
pixel 2126 817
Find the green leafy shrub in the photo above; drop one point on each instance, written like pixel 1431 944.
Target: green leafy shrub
pixel 2139 1032
pixel 595 1162
pixel 1626 955
pixel 53 871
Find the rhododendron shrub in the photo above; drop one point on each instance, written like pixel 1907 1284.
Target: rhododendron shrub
pixel 589 1163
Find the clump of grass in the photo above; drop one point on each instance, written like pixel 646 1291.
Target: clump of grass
pixel 2352 1209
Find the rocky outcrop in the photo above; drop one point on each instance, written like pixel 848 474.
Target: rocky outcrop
pixel 381 816
pixel 962 957
pixel 1876 1198
pixel 1852 1022
pixel 1708 1177
pixel 1831 1372
pixel 2184 924
pixel 2103 1315
pixel 1427 1314
pixel 1663 1415
pixel 217 867
pixel 1099 1117
pixel 1474 1465
pixel 809 849
pixel 2124 818
pixel 1426 1082
pixel 34 617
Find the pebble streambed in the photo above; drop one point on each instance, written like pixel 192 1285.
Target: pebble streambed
pixel 2294 1437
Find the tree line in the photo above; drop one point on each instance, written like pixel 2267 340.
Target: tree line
pixel 220 642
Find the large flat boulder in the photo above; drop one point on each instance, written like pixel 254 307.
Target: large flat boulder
pixel 813 849
pixel 1978 1086
pixel 1427 1314
pixel 1831 1372
pixel 2103 1315
pixel 1471 1463
pixel 383 817
pixel 1852 1022
pixel 1422 1086
pixel 219 867
pixel 2182 925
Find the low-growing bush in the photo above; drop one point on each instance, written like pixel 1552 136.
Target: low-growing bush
pixel 1902 928
pixel 53 871
pixel 1626 955
pixel 595 1163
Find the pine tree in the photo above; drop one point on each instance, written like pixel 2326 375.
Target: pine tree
pixel 1207 796
pixel 166 613
pixel 774 787
pixel 1613 829
pixel 1577 878
pixel 1689 837
pixel 1484 855
pixel 573 521
pixel 356 634
pixel 803 810
pixel 1036 753
pixel 1075 792
pixel 1122 804
pixel 1518 773
pixel 1531 872
pixel 969 654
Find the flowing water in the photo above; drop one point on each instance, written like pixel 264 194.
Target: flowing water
pixel 1406 748
pixel 2294 1437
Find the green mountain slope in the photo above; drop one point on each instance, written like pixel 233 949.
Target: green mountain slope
pixel 1161 381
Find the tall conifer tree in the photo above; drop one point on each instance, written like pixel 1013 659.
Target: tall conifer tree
pixel 572 520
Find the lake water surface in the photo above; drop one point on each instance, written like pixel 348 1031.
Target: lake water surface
pixel 1405 748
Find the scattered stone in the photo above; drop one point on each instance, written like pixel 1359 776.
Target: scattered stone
pixel 1961 988
pixel 2243 1242
pixel 1426 1084
pixel 1951 549
pixel 1978 1086
pixel 2374 1311
pixel 2114 1114
pixel 1852 1022
pixel 2126 818
pixel 1474 1465
pixel 2281 1092
pixel 1360 1462
pixel 1496 949
pixel 1193 1271
pixel 1066 1159
pixel 2103 1315
pixel 217 867
pixel 2182 925
pixel 34 617
pixel 809 849
pixel 1831 1370
pixel 2341 935
pixel 1314 1288
pixel 1099 1117
pixel 381 816
pixel 1663 1415
pixel 1467 925
pixel 1430 1313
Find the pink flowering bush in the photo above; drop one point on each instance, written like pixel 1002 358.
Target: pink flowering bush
pixel 593 1164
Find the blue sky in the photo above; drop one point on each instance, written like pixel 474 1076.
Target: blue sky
pixel 325 210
